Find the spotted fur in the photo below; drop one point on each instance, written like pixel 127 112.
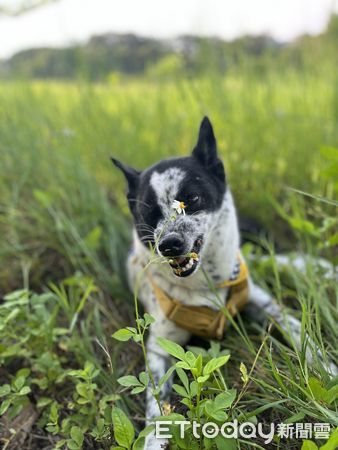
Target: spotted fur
pixel 199 181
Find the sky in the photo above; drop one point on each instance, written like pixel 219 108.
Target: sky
pixel 68 21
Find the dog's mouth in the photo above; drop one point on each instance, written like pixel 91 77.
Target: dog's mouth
pixel 185 265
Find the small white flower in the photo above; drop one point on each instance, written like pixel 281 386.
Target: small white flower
pixel 179 207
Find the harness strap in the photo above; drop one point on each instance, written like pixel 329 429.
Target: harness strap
pixel 202 320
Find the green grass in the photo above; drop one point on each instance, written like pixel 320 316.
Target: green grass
pixel 63 216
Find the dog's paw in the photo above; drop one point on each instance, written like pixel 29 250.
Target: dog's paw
pixel 153 443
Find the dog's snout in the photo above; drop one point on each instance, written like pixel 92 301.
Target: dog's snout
pixel 171 246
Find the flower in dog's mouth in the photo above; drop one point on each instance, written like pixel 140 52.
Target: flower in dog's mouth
pixel 185 265
pixel 179 207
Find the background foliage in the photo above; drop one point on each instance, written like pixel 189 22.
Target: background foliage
pixel 65 228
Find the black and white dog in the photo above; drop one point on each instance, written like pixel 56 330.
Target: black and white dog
pixel 205 226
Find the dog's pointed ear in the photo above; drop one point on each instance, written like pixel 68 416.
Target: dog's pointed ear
pixel 206 149
pixel 132 175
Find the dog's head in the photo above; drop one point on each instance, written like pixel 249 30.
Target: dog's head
pixel 197 183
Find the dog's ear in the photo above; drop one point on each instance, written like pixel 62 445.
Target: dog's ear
pixel 205 150
pixel 132 175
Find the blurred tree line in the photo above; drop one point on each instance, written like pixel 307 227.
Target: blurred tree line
pixel 104 56
pixel 10 8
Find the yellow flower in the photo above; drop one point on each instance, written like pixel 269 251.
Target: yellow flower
pixel 167 409
pixel 179 206
pixel 194 256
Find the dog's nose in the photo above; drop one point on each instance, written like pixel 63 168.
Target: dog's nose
pixel 171 246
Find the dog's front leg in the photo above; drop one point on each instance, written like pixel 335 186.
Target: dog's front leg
pixel 159 362
pixel 261 304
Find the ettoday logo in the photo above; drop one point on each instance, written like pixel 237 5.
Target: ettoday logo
pixel 245 430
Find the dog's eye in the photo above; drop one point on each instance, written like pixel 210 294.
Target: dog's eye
pixel 194 198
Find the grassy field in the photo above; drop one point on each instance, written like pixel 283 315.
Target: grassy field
pixel 65 232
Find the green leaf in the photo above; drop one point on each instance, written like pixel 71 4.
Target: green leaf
pixel 128 380
pixel 138 389
pixel 139 443
pixel 183 365
pixel 25 390
pixel 4 406
pixel 187 402
pixel 332 443
pixel 5 389
pixel 215 408
pixel 226 399
pixel 203 379
pixel 44 198
pixel 43 401
pixel 92 240
pixel 193 388
pixel 123 334
pixel 207 443
pixel 309 445
pixel 72 445
pixel 23 373
pixel 223 443
pixel 144 378
pixel 140 322
pixel 185 443
pixel 19 297
pixel 54 413
pixel 172 348
pixel 77 435
pixel 147 430
pixel 318 391
pixel 166 376
pixel 183 377
pixel 19 382
pixel 303 225
pixel 220 416
pixel 148 319
pixel 123 428
pixel 198 365
pixel 215 364
pixel 332 394
pixel 180 390
pixel 83 390
pixel 214 412
pixel 190 358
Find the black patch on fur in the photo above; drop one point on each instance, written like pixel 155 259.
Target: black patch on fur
pixel 202 188
pixel 206 150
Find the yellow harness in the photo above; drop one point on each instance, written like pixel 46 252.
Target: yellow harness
pixel 202 320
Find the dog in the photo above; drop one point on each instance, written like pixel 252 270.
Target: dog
pixel 183 210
